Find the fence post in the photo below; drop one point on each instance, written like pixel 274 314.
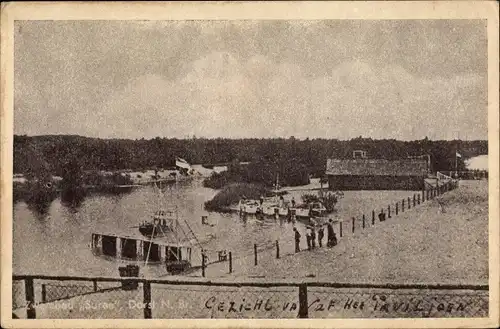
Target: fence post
pixel 373 217
pixel 418 198
pixel 389 211
pixel 146 287
pixel 303 305
pixel 414 200
pixel 363 220
pixel 403 205
pixel 30 298
pixel 397 206
pixel 353 223
pixel 340 229
pixel 203 265
pixel 44 293
pixel 255 253
pixel 277 249
pixel 230 262
pixel 409 203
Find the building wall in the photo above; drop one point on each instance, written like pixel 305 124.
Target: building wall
pixel 350 182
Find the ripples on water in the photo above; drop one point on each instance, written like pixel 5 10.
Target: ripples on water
pixel 53 237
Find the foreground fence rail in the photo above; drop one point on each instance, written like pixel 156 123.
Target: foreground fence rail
pixel 104 297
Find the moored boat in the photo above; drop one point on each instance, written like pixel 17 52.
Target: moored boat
pixel 302 210
pixel 161 225
pixel 250 207
pixel 317 209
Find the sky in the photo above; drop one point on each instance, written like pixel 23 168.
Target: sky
pixel 402 79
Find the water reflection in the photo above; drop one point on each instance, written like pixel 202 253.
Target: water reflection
pixel 73 199
pixel 39 202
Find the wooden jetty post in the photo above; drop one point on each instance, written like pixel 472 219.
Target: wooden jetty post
pixel 340 229
pixel 353 224
pixel 203 263
pixel 389 211
pixel 418 198
pixel 409 203
pixel 29 294
pixel 277 249
pixel 255 253
pixel 414 201
pixel 397 206
pixel 363 220
pixel 303 304
pixel 44 293
pixel 230 262
pixel 403 205
pixel 373 217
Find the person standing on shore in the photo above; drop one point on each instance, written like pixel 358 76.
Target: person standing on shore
pixel 321 234
pixel 297 240
pixel 331 234
pixel 313 237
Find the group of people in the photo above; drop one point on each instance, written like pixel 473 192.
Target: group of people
pixel 311 236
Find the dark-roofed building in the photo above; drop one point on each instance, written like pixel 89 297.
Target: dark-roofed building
pixel 363 173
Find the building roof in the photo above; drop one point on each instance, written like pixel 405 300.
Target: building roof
pixel 377 167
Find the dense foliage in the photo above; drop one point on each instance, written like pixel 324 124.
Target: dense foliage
pixel 328 199
pixel 261 172
pixel 232 194
pixel 292 158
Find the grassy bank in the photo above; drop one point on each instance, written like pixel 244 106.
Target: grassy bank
pixel 232 193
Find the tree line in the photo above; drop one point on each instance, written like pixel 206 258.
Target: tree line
pixel 294 159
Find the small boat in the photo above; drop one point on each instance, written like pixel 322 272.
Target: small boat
pixel 161 225
pixel 317 209
pixel 302 210
pixel 270 209
pixel 283 211
pixel 250 207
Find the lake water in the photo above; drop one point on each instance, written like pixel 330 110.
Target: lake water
pixel 54 239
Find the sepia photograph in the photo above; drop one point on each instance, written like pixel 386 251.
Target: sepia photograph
pixel 251 168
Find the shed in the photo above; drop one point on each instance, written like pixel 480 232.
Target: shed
pixel 376 174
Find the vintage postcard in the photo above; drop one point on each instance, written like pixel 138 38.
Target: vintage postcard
pixel 250 164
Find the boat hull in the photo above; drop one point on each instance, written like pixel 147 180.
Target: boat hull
pixel 302 212
pixel 147 231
